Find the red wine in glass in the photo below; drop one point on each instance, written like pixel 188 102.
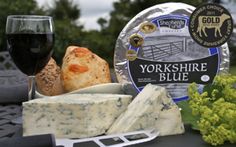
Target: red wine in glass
pixel 30 52
pixel 30 42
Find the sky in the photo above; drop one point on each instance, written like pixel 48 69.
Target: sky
pixel 91 10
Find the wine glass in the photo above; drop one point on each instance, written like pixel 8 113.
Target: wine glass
pixel 30 40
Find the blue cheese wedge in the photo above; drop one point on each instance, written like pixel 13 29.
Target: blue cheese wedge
pixel 73 115
pixel 151 109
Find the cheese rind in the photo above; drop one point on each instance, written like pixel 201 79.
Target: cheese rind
pixel 74 115
pixel 151 109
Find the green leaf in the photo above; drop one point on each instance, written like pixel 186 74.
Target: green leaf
pixel 210 87
pixel 187 116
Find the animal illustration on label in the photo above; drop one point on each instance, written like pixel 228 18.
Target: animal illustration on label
pixel 211 22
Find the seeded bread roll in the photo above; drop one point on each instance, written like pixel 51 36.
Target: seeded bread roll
pixel 82 68
pixel 48 81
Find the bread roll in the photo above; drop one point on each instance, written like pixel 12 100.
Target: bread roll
pixel 48 81
pixel 82 68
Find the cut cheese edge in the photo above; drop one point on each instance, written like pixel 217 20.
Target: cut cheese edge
pixel 151 109
pixel 73 115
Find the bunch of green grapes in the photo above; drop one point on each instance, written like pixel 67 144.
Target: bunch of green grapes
pixel 216 109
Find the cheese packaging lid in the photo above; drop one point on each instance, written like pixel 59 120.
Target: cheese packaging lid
pixel 156 47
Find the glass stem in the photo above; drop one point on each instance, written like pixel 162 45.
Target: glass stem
pixel 31 88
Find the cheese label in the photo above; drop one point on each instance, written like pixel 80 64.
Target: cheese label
pixel 211 25
pixel 156 47
pixel 169 57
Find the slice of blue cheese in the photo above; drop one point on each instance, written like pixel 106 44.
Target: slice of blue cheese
pixel 151 109
pixel 73 115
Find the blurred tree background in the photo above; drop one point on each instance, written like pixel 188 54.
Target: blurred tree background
pixel 67 31
pixel 70 32
pixel 11 7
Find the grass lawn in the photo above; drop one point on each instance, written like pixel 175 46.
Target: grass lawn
pixel 232 70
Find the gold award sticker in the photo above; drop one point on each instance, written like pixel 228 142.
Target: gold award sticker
pixel 147 27
pixel 136 40
pixel 131 55
pixel 210 25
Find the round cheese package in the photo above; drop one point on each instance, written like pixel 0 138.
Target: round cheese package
pixel 156 47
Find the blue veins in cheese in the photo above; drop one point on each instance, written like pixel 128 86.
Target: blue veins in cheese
pixel 73 115
pixel 151 109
